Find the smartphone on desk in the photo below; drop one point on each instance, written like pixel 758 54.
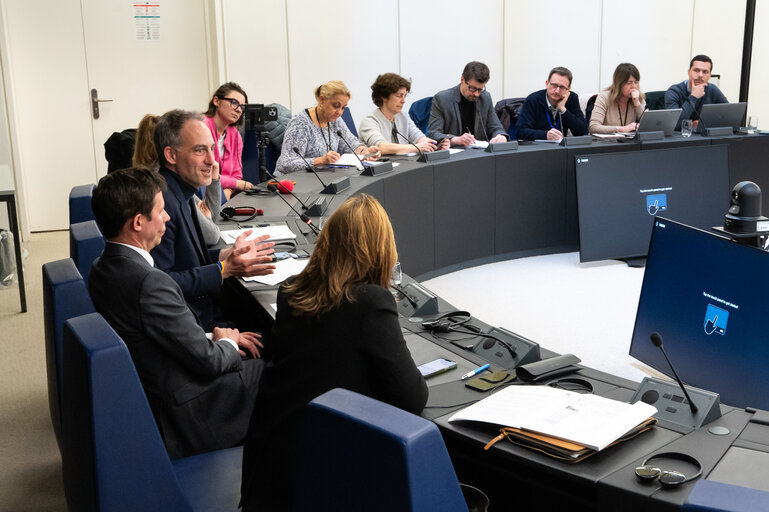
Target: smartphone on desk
pixel 436 367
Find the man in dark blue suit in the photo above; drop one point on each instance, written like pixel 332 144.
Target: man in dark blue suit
pixel 185 152
pixel 551 113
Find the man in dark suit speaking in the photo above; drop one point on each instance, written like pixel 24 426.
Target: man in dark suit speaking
pixel 200 390
pixel 185 151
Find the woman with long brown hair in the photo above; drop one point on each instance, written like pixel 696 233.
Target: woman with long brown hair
pixel 336 326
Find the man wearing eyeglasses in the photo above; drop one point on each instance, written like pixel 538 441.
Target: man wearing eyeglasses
pixel 549 114
pixel 465 113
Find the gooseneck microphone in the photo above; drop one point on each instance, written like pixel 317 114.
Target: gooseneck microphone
pixel 334 187
pixel 339 134
pixel 395 129
pixel 310 167
pixel 657 342
pixel 316 210
pixel 303 216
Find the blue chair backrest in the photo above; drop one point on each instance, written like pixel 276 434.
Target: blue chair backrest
pixel 358 453
pixel 419 112
pixel 86 243
pixel 711 496
pixel 347 117
pixel 80 204
pixel 113 457
pixel 65 296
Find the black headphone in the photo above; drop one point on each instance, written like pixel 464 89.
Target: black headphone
pixel 447 321
pixel 228 212
pixel 668 479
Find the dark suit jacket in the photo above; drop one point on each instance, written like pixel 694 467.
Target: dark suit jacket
pixel 358 346
pixel 200 391
pixel 533 121
pixel 445 118
pixel 183 254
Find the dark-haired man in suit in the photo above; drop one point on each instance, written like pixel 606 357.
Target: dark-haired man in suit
pixel 200 390
pixel 185 151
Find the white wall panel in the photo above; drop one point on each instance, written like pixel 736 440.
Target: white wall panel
pixel 343 40
pixel 256 49
pixel 718 32
pixel 542 35
pixel 655 35
pixel 437 39
pixel 758 103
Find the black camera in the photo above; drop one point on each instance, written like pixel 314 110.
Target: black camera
pixel 745 211
pixel 257 116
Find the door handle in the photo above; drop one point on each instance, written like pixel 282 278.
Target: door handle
pixel 95 103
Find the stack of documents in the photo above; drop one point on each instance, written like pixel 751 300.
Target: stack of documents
pixel 563 424
pixel 276 232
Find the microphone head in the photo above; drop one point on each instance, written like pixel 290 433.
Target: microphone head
pixel 656 339
pixel 272 188
pixel 296 150
pixel 285 186
pixel 339 133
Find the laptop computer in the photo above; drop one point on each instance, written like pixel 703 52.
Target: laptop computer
pixel 715 115
pixel 660 121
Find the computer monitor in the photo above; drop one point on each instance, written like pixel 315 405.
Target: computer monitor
pixel 618 195
pixel 706 296
pixel 715 115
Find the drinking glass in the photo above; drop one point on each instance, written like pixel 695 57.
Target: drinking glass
pixel 687 126
pixel 752 124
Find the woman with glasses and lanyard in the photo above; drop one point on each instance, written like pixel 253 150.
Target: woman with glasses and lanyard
pixel 318 135
pixel 387 127
pixel 224 115
pixel 621 105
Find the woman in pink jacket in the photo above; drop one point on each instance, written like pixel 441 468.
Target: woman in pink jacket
pixel 224 115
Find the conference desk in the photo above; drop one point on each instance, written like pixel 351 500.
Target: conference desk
pixel 482 207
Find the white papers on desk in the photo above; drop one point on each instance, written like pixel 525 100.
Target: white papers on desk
pixel 482 144
pixel 590 420
pixel 453 151
pixel 276 232
pixel 283 270
pixel 349 159
pixel 547 141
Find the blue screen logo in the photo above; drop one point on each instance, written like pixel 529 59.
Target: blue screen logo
pixel 656 203
pixel 715 320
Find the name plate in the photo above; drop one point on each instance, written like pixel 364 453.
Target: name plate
pixel 511 145
pixel 577 140
pixel 645 136
pixel 376 168
pixel 434 155
pixel 337 186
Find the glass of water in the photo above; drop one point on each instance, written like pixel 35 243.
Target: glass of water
pixel 687 127
pixel 396 278
pixel 752 124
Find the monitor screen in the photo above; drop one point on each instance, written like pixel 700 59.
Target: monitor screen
pixel 707 297
pixel 618 195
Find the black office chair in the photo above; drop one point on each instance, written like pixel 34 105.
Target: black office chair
pixel 589 107
pixel 655 100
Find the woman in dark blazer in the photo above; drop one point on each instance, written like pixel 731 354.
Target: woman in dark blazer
pixel 336 326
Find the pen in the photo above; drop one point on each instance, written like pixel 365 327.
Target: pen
pixel 475 372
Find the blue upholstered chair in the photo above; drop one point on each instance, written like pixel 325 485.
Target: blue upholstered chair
pixel 358 453
pixel 80 204
pixel 113 457
pixel 710 496
pixel 86 243
pixel 65 296
pixel 419 112
pixel 347 117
